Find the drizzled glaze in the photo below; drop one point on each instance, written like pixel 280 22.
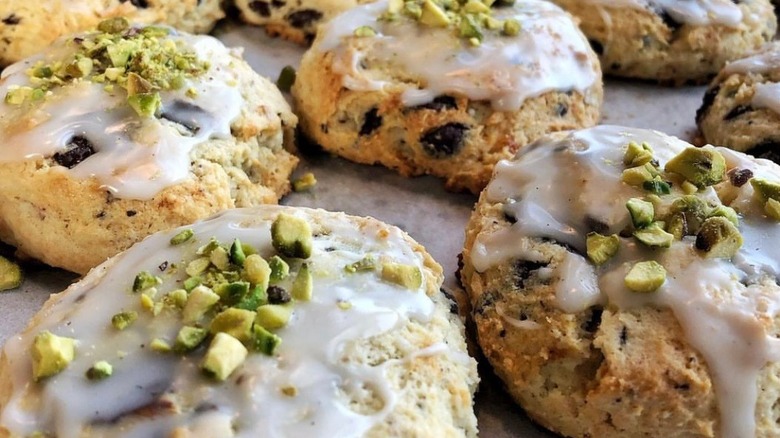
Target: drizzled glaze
pixel 767 94
pixel 135 157
pixel 312 356
pixel 550 53
pixel 552 186
pixel 697 12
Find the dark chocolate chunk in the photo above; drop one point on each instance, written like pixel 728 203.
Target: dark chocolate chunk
pixel 561 109
pixel 624 335
pixel 12 19
pixel 739 177
pixel 597 47
pixel 523 269
pixel 77 150
pixel 371 121
pixel 487 299
pixel 768 149
pixel 261 8
pixel 277 3
pixel 668 20
pixel 709 99
pixel 738 111
pixel 278 295
pixel 184 114
pixel 445 140
pixel 143 4
pixel 439 103
pixel 593 321
pixel 303 18
pixel 131 213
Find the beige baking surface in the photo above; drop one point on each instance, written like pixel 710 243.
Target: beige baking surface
pixel 420 206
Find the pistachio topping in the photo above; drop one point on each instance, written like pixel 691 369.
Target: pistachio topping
pixel 99 371
pixel 138 60
pixel 408 276
pixel 182 236
pixel 145 280
pixel 11 275
pixel 654 235
pixel 602 248
pixel 304 284
pixel 305 182
pixel 291 236
pixel 700 166
pixel 123 320
pixel 367 263
pixel 224 355
pixel 718 238
pixel 645 277
pixel 638 155
pixel 642 212
pixel 51 354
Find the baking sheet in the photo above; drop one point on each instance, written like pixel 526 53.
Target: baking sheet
pixel 420 206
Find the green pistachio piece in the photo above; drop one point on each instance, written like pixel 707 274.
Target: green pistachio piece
pixel 657 186
pixel 279 269
pixel 689 188
pixel 725 211
pixel 364 32
pixel 123 320
pixel 235 322
pixel 145 104
pixel 182 236
pixel 198 266
pixel 79 68
pixel 253 299
pixel 220 259
pixel 303 285
pixel 718 238
pixel 645 277
pixel 257 271
pixel 237 256
pixel 304 183
pixel 692 212
pixel 642 212
pixel 511 27
pixel 189 338
pixel 654 235
pixel 367 263
pixel 191 283
pixel 114 25
pixel 160 345
pixel 145 280
pixel 264 341
pixel 200 301
pixel 637 176
pixel 766 189
pixel 206 249
pixel 677 226
pixel 408 276
pixel 413 10
pixel 433 15
pixel 286 79
pixel 232 292
pixel 51 354
pixel 475 7
pixel 273 316
pixel 701 166
pixel 601 248
pixel 224 355
pixel 395 6
pixel 772 209
pixel 99 370
pixel 11 275
pixel 292 236
pixel 637 155
pixel 469 28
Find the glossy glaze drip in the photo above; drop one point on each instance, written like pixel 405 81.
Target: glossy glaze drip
pixel 552 186
pixel 311 358
pixel 135 157
pixel 767 94
pixel 698 12
pixel 549 54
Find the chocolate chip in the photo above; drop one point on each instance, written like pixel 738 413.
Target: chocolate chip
pixel 739 177
pixel 738 111
pixel 709 99
pixel 624 335
pixel 77 150
pixel 768 149
pixel 143 4
pixel 561 109
pixel 371 121
pixel 303 18
pixel 668 20
pixel 593 321
pixel 261 8
pixel 184 114
pixel 131 213
pixel 445 140
pixel 277 3
pixel 451 299
pixel 509 216
pixel 12 19
pixel 278 295
pixel 597 47
pixel 523 269
pixel 439 103
pixel 487 299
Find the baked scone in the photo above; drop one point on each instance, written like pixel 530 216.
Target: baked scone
pixel 270 321
pixel 678 42
pixel 741 108
pixel 624 284
pixel 423 88
pixel 112 135
pixel 27 27
pixel 295 20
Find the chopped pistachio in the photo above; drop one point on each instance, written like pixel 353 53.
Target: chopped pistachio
pixel 51 354
pixel 637 155
pixel 694 211
pixel 122 320
pixel 433 15
pixel 264 341
pixel 637 176
pixel 645 277
pixel 367 263
pixel 286 79
pixel 206 249
pixel 189 338
pixel 408 276
pixel 145 104
pixel 160 345
pixel 413 10
pixel 144 280
pixel 224 355
pixel 237 256
pixel 772 209
pixel 232 292
pixel 718 238
pixel 642 212
pixel 147 302
pixel 601 248
pixel 766 189
pixel 178 297
pixel 303 285
pixel 511 27
pixel 191 283
pixel 113 25
pixel 182 236
pixel 725 211
pixel 99 370
pixel 395 6
pixel 273 316
pixel 701 166
pixel 220 258
pixel 344 305
pixel 289 391
pixel 657 186
pixel 305 182
pixel 254 298
pixel 469 28
pixel 198 266
pixel 11 275
pixel 200 301
pixel 235 322
pixel 689 188
pixel 654 235
pixel 257 271
pixel 364 31
pixel 292 236
pixel 279 269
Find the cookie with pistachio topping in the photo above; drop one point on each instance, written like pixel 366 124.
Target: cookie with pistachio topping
pixel 446 88
pixel 114 134
pixel 677 42
pixel 741 108
pixel 28 27
pixel 624 283
pixel 223 342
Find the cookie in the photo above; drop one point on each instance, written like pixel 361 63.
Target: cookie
pixel 112 135
pixel 29 27
pixel 295 20
pixel 624 284
pixel 428 90
pixel 741 108
pixel 299 323
pixel 671 41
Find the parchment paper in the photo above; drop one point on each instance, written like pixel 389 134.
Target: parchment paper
pixel 420 206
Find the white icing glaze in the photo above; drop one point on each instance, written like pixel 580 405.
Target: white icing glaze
pixel 135 157
pixel 311 357
pixel 550 53
pixel 698 12
pixel 767 94
pixel 551 186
